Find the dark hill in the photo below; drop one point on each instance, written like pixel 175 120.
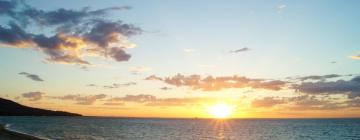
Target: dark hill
pixel 11 108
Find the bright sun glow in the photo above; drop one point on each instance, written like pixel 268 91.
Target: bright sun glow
pixel 220 110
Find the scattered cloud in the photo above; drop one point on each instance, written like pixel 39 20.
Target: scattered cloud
pixel 115 85
pixel 319 77
pixel 77 33
pixel 310 85
pixel 114 103
pixel 33 96
pixel 210 83
pixel 91 85
pixel 139 69
pixel 140 98
pixel 33 77
pixel 165 88
pixel 299 103
pixel 150 100
pixel 240 50
pixel 307 102
pixel 153 77
pixel 79 99
pixel 350 87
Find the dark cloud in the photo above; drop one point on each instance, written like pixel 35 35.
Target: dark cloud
pixel 350 87
pixel 77 33
pixel 319 77
pixel 81 100
pixel 14 35
pixel 103 33
pixel 211 83
pixel 33 96
pixel 32 76
pixel 119 54
pixel 26 14
pixel 239 50
pixel 6 7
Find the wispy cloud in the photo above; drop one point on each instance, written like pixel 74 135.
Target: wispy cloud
pixel 77 33
pixel 116 85
pixel 211 83
pixel 139 69
pixel 91 85
pixel 151 100
pixel 165 88
pixel 240 50
pixel 33 96
pixel 33 77
pixel 153 77
pixel 79 99
pixel 303 102
pixel 356 57
pixel 114 103
pixel 280 8
pixel 319 77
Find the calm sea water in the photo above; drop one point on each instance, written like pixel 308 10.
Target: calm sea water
pixel 93 128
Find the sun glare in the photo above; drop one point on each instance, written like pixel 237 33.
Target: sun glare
pixel 220 110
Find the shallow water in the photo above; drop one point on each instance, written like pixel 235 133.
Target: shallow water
pixel 96 128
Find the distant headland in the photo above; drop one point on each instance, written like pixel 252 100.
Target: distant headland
pixel 11 108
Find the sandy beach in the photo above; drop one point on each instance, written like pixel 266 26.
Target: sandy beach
pixel 11 135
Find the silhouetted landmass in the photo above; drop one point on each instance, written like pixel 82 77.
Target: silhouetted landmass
pixel 11 108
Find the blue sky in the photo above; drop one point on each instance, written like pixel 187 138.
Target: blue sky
pixel 303 35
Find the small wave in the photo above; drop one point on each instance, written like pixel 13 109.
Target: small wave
pixel 6 128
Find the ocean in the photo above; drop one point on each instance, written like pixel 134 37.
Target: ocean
pixel 101 128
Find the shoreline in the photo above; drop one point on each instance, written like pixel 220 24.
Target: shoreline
pixel 6 134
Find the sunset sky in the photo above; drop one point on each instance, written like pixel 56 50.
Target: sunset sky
pixel 177 58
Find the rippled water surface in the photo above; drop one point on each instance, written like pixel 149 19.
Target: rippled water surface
pixel 93 128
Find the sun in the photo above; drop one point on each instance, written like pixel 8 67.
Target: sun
pixel 220 110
